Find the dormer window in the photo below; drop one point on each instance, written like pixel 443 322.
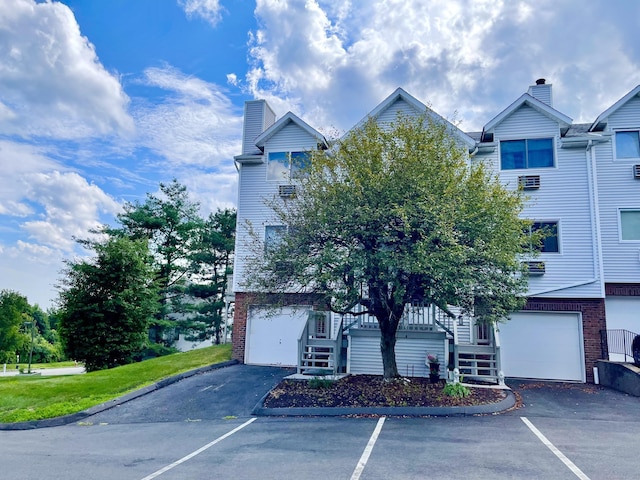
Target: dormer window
pixel 285 166
pixel 628 144
pixel 528 153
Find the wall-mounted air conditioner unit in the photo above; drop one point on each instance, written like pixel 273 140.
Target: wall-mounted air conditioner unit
pixel 535 268
pixel 529 182
pixel 287 191
pixel 636 171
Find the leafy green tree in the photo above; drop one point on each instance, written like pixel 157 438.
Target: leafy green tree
pixel 170 223
pixel 212 259
pixel 14 311
pixel 47 346
pixel 106 303
pixel 397 213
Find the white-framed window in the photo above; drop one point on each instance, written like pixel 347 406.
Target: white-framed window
pixel 630 224
pixel 273 236
pixel 285 166
pixel 527 153
pixel 551 243
pixel 627 144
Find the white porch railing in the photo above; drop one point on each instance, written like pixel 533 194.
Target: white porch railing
pixel 319 349
pixel 415 317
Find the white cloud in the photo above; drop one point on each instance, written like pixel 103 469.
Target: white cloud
pixel 209 10
pixel 195 125
pixel 51 81
pixel 332 61
pixel 17 161
pixel 71 205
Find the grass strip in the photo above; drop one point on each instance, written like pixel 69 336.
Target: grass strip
pixel 24 398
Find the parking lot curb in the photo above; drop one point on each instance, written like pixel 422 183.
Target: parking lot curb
pixel 489 408
pixel 77 417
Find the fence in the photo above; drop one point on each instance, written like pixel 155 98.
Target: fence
pixel 617 342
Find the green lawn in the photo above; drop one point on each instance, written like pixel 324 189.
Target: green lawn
pixel 24 398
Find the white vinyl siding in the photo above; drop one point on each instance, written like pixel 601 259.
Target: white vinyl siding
pixel 563 196
pixel 258 117
pixel 254 189
pixel 399 107
pixel 618 189
pixel 411 352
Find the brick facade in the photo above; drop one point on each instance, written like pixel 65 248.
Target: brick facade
pixel 622 289
pixel 593 320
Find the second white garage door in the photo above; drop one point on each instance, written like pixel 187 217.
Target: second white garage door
pixel 543 345
pixel 272 337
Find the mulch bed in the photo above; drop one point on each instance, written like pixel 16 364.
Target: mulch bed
pixel 372 391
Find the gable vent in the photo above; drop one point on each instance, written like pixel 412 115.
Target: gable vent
pixel 529 182
pixel 535 268
pixel 286 191
pixel 636 171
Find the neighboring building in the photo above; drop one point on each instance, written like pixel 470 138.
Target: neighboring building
pixel 584 186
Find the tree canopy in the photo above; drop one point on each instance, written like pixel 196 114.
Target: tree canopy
pixel 192 257
pixel 107 303
pixel 393 214
pixel 14 310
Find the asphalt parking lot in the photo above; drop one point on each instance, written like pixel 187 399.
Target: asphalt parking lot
pixel 202 427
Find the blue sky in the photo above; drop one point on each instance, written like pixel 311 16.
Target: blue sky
pixel 100 100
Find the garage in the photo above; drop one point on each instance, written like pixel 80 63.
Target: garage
pixel 623 313
pixel 543 345
pixel 272 336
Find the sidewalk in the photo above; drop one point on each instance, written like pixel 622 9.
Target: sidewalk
pixel 12 371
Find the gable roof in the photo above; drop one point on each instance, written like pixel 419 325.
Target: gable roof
pixel 400 94
pixel 601 121
pixel 283 122
pixel 526 99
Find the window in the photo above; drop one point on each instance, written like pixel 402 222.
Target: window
pixel 628 144
pixel 285 166
pixel 529 153
pixel 630 224
pixel 549 243
pixel 273 236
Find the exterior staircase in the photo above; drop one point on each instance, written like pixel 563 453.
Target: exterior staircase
pixel 322 351
pixel 319 352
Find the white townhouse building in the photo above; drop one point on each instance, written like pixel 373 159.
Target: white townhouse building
pixel 583 183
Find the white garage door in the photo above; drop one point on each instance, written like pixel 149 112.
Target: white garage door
pixel 623 313
pixel 543 345
pixel 272 337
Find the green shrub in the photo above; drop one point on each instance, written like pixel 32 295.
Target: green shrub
pixel 456 390
pixel 318 382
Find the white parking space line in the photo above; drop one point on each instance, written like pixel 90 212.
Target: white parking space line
pixel 200 450
pixel 578 473
pixel 367 450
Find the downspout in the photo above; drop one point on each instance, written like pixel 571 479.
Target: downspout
pixel 598 268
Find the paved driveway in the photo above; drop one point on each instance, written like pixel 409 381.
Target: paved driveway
pixel 201 427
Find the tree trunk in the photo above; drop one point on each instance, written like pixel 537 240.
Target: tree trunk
pixel 388 352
